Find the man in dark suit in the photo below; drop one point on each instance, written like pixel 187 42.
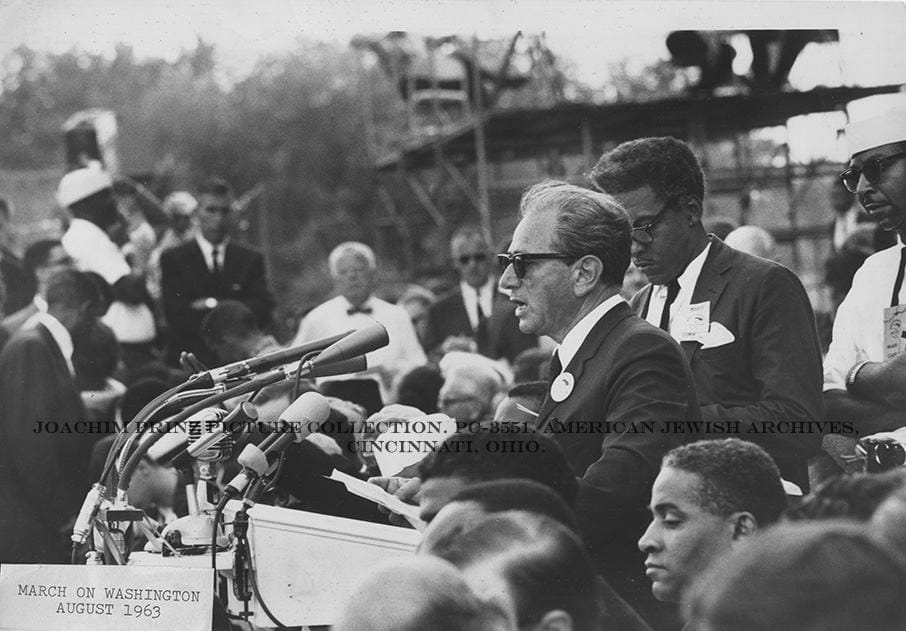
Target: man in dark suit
pixel 475 310
pixel 745 324
pixel 622 392
pixel 44 443
pixel 196 275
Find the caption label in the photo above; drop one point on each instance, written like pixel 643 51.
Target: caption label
pixel 105 597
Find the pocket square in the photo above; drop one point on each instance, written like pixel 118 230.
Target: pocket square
pixel 717 335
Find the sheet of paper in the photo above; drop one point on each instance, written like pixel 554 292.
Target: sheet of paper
pixel 379 496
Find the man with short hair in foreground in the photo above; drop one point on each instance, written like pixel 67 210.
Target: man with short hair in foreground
pixel 710 497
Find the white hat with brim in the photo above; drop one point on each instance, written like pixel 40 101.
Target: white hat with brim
pixel 877 131
pixel 81 183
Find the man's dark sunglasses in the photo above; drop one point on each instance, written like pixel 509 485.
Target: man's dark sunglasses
pixel 871 169
pixel 478 258
pixel 519 259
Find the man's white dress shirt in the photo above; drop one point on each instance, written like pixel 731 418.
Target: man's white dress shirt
pixel 859 324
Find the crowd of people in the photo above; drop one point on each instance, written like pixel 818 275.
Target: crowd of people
pixel 681 454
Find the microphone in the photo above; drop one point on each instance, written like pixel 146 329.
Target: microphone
pixel 361 342
pixel 214 445
pixel 344 367
pixel 254 365
pixel 204 422
pixel 300 419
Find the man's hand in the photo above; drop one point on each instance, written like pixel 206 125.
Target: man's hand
pixel 883 382
pixel 406 489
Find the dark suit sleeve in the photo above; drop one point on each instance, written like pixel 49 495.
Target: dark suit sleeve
pixel 785 360
pixel 652 386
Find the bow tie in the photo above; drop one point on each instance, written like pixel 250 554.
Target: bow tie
pixel 354 310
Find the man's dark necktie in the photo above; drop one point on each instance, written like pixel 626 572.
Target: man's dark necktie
pixel 481 328
pixel 672 291
pixel 359 309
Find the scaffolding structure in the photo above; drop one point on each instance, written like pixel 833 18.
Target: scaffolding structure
pixel 475 170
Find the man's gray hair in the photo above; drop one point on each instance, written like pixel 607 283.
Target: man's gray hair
pixel 351 248
pixel 588 222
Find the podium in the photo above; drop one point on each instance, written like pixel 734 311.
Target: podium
pixel 306 564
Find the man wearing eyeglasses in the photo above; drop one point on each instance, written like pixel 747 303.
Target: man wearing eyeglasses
pixel 621 393
pixel 474 315
pixel 744 323
pixel 865 367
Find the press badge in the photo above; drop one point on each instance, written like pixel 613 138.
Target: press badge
pixel 692 323
pixel 894 319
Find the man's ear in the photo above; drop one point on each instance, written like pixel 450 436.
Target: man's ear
pixel 744 525
pixel 555 620
pixel 586 273
pixel 693 209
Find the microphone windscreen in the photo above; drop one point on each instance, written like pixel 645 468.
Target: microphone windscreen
pixel 308 411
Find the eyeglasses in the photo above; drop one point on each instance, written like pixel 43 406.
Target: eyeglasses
pixel 478 258
pixel 519 259
pixel 642 234
pixel 871 169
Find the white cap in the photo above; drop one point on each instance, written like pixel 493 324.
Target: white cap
pixel 180 203
pixel 876 131
pixel 81 183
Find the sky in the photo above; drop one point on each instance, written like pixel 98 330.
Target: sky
pixel 589 33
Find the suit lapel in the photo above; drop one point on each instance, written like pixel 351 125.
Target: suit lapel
pixel 710 285
pixel 461 315
pixel 196 258
pixel 586 352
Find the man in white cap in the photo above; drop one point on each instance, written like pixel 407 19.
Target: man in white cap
pixel 93 240
pixel 865 368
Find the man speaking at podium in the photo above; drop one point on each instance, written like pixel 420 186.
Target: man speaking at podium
pixel 564 269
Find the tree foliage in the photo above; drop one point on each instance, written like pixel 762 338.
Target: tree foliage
pixel 294 127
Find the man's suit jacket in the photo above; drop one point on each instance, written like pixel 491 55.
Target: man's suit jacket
pixel 20 285
pixel 771 372
pixel 185 277
pixel 633 376
pixel 448 317
pixel 43 476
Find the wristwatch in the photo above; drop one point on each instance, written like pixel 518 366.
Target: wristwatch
pixel 852 374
